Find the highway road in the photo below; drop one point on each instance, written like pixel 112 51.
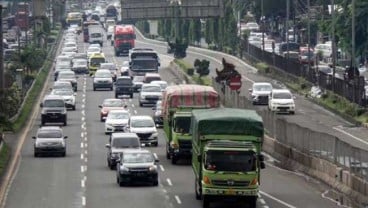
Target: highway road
pixel 82 178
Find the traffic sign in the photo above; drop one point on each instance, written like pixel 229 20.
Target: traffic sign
pixel 235 82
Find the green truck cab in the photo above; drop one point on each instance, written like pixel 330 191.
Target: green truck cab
pixel 226 154
pixel 177 104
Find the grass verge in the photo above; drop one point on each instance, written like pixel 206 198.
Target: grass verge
pixel 4 158
pixel 189 70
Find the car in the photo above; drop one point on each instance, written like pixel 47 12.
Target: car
pixel 102 79
pixel 68 95
pixel 61 67
pixel 157 114
pixel 324 49
pixel 70 54
pixel 260 92
pixel 112 67
pixel 136 165
pixel 92 50
pixel 282 101
pixel 119 142
pixel 124 70
pixel 96 45
pixel 162 83
pixel 70 44
pixel 62 85
pixel 306 56
pixel 116 120
pixel 137 83
pixel 149 94
pixel 68 76
pixel 80 66
pixel 149 77
pixel 110 31
pixel 145 128
pixel 110 104
pixel 53 110
pixel 124 86
pixel 252 26
pixel 49 139
pixel 69 49
pixel 80 56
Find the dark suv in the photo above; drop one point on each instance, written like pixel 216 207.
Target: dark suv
pixel 53 110
pixel 124 86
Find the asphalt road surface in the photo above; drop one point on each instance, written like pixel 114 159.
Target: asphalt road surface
pixel 82 178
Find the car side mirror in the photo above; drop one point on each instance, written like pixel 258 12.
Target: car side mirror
pixel 199 158
pixel 65 137
pixel 33 137
pixel 157 160
pixel 100 106
pixel 107 145
pixel 41 105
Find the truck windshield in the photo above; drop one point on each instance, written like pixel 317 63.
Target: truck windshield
pixel 182 125
pixel 238 161
pixel 97 61
pixel 144 64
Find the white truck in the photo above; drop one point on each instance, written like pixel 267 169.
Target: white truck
pixel 96 34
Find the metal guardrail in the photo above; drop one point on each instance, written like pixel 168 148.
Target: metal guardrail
pixel 318 144
pixel 353 90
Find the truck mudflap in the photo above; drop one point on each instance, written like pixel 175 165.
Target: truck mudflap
pixel 230 191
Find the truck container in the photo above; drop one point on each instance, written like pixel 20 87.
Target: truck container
pixel 124 39
pixel 177 104
pixel 226 155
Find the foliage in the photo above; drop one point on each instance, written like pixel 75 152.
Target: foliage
pixel 31 58
pixel 202 67
pixel 4 157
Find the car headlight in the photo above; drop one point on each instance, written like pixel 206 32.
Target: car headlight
pixel 153 168
pixel 124 169
pixel 155 134
pixel 143 97
pixel 109 125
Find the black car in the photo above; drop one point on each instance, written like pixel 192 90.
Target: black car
pixel 117 143
pixel 53 110
pixel 136 165
pixel 124 86
pixel 157 114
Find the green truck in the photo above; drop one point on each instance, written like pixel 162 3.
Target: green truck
pixel 226 155
pixel 177 104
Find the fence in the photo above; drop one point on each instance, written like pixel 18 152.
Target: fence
pixel 305 140
pixel 353 90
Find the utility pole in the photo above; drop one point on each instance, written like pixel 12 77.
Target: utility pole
pixel 2 80
pixel 353 64
pixel 287 31
pixel 333 45
pixel 309 64
pixel 262 25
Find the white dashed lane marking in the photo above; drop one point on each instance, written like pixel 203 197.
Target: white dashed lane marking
pixel 177 199
pixel 162 168
pixel 169 181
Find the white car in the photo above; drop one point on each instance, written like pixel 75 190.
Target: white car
pixel 116 120
pixel 252 26
pixel 69 49
pixel 92 50
pixel 281 100
pixel 49 139
pixel 68 95
pixel 260 92
pixel 162 83
pixel 145 128
pixel 70 44
pixel 150 94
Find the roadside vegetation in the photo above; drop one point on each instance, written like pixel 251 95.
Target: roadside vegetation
pixel 4 158
pixel 189 69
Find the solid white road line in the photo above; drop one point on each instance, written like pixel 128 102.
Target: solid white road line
pixel 262 201
pixel 83 201
pixel 350 135
pixel 177 199
pixel 169 181
pixel 277 200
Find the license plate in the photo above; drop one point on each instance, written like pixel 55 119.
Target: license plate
pixel 230 192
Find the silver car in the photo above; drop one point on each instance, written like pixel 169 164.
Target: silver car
pixel 49 139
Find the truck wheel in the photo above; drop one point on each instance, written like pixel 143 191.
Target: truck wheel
pixel 252 201
pixel 174 160
pixel 116 96
pixel 63 154
pixel 198 196
pixel 94 89
pixel 167 151
pixel 205 202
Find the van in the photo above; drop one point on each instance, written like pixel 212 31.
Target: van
pixel 95 34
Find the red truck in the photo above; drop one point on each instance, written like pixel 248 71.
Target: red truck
pixel 22 15
pixel 124 39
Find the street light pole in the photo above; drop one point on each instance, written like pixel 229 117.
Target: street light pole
pixel 353 65
pixel 333 45
pixel 2 80
pixel 309 34
pixel 262 25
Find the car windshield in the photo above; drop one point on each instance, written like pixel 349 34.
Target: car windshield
pixel 137 158
pixel 103 75
pixel 95 35
pixel 118 115
pixel 262 88
pixel 239 161
pixel 113 103
pixel 68 49
pixel 53 103
pixel 107 66
pixel 80 62
pixel 142 123
pixel 49 134
pixel 123 82
pixel 144 64
pixel 63 92
pixel 125 143
pixel 151 89
pixel 282 95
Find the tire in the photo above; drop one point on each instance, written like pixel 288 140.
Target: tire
pixel 36 154
pixel 292 112
pixel 131 95
pixel 112 167
pixel 155 182
pixel 205 202
pixel 109 164
pixel 198 196
pixel 73 108
pixel 63 154
pixel 174 160
pixel 168 156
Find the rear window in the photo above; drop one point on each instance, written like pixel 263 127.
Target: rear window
pixel 125 143
pixel 124 82
pixel 150 79
pixel 49 134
